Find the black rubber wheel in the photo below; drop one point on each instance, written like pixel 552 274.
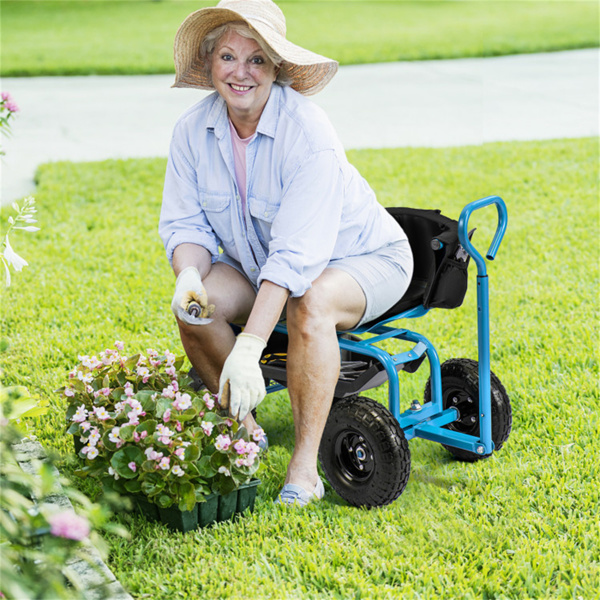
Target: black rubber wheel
pixel 460 389
pixel 364 453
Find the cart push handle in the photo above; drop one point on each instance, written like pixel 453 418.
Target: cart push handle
pixel 463 228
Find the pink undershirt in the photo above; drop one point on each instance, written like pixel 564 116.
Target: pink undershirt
pixel 239 160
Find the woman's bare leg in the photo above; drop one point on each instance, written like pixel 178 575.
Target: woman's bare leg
pixel 336 301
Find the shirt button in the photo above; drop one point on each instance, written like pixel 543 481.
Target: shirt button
pixel 252 269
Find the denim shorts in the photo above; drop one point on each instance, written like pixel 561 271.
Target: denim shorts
pixel 383 275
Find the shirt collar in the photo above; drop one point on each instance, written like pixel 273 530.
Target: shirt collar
pixel 218 119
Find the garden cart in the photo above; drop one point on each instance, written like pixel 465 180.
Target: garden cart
pixel 364 451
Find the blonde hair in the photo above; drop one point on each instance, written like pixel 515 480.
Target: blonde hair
pixel 212 38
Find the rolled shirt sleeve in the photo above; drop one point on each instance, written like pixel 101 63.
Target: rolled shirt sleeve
pixel 182 219
pixel 305 230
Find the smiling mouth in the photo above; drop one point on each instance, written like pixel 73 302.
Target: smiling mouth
pixel 240 88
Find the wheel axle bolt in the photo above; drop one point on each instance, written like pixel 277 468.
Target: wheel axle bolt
pixel 470 400
pixel 473 419
pixel 480 450
pixel 455 400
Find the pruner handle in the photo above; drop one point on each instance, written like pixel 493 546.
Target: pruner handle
pixel 463 230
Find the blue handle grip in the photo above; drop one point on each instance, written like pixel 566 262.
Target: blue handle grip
pixel 463 229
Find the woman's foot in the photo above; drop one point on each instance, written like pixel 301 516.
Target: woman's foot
pixel 295 495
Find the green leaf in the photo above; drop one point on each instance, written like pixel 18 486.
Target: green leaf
pixel 149 426
pixel 192 452
pixel 205 469
pixel 133 486
pixel 132 361
pixel 121 459
pixel 187 496
pixel 126 433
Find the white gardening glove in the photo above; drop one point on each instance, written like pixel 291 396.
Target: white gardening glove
pixel 190 301
pixel 242 377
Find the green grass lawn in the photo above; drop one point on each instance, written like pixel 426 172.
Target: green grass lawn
pixel 522 524
pixel 118 37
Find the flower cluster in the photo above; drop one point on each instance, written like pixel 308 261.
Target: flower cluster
pixel 8 108
pixel 141 429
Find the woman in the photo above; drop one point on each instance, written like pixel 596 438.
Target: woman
pixel 256 170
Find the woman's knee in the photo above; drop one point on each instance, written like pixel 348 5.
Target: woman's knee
pixel 311 313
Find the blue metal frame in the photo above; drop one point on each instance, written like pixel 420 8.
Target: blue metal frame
pixel 428 421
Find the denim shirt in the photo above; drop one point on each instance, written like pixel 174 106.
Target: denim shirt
pixel 306 204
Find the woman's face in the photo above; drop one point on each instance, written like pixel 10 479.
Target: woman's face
pixel 243 76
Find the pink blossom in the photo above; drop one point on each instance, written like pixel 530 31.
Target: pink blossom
pixel 165 440
pixel 240 446
pixel 144 434
pixel 92 452
pixel 144 373
pixel 180 453
pixel 136 436
pixel 151 454
pixel 68 525
pixel 120 346
pixel 132 466
pixel 252 448
pixel 228 422
pixel 129 390
pixel 209 401
pixel 112 472
pixel 11 106
pixel 167 415
pixel 175 385
pixel 94 437
pixel 225 471
pixel 240 462
pixel 171 371
pixel 85 425
pixel 164 431
pixel 170 357
pixel 102 392
pixel 80 415
pixel 222 442
pixel 207 427
pixel 178 426
pixel 258 434
pixel 101 413
pixel 177 470
pixel 85 377
pixel 113 436
pixel 69 392
pixel 73 374
pixel 164 463
pixel 182 401
pixel 151 353
pixel 133 418
pixel 6 96
pixel 168 392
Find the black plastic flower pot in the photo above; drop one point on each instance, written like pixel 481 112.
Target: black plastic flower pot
pixel 227 506
pixel 207 510
pixel 180 520
pixel 247 496
pixel 145 507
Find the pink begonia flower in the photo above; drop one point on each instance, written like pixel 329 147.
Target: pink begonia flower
pixel 11 106
pixel 94 437
pixel 258 434
pixel 165 440
pixel 92 452
pixel 132 466
pixel 168 392
pixel 164 431
pixel 201 413
pixel 101 413
pixel 144 373
pixel 185 444
pixel 73 374
pixel 80 415
pixel 68 525
pixel 175 385
pixel 240 446
pixel 228 422
pixel 240 462
pixel 120 346
pixel 222 442
pixel 170 357
pixel 113 436
pixel 252 448
pixel 69 392
pixel 182 401
pixel 177 470
pixel 144 434
pixel 85 377
pixel 207 427
pixel 151 353
pixel 151 454
pixel 89 389
pixel 102 392
pixel 167 415
pixel 119 406
pixel 209 401
pixel 112 472
pixel 171 371
pixel 128 389
pixel 180 453
pixel 164 463
pixel 6 96
pixel 225 471
pixel 178 426
pixel 85 425
pixel 136 436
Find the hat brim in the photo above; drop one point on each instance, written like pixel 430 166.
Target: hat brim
pixel 309 72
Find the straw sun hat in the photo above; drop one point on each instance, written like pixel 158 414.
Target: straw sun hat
pixel 308 72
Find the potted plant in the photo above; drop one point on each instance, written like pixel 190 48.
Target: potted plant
pixel 144 432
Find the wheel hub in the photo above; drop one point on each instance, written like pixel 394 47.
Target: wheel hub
pixel 354 455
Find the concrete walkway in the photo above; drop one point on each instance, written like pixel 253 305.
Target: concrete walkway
pixel 431 103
